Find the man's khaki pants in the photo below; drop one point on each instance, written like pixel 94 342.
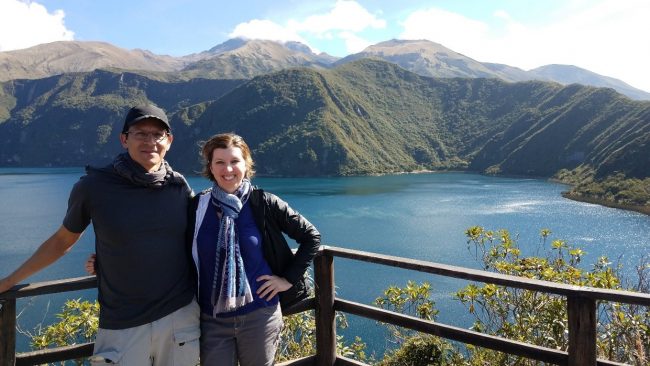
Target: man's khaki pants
pixel 170 341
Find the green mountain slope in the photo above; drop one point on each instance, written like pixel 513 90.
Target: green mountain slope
pixel 577 125
pixel 363 117
pixel 74 119
pixel 370 117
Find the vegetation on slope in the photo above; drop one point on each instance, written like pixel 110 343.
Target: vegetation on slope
pixel 614 190
pixel 364 117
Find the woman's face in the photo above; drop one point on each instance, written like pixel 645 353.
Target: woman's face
pixel 228 168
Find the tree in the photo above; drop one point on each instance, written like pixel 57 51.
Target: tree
pixel 414 348
pixel 78 322
pixel 521 315
pixel 541 319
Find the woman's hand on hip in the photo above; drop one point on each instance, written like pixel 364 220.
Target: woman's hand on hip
pixel 272 286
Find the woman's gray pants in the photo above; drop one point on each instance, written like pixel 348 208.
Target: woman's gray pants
pixel 251 339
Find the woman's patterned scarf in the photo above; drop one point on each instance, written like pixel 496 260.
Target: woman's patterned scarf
pixel 233 291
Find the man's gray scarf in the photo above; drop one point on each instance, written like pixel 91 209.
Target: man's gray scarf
pixel 136 174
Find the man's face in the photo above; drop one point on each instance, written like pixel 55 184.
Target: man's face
pixel 140 142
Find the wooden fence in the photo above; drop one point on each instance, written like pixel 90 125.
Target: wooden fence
pixel 581 309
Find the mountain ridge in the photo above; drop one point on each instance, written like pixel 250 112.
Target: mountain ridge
pixel 362 117
pixel 239 58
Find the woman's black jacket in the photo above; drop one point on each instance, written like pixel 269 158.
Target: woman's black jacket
pixel 274 217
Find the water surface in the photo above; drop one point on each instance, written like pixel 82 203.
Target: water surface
pixel 420 216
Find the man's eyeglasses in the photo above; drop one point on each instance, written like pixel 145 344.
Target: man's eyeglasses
pixel 145 136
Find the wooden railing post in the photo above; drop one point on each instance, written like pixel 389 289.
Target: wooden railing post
pixel 7 332
pixel 325 322
pixel 582 331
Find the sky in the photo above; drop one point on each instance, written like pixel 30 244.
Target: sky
pixel 609 37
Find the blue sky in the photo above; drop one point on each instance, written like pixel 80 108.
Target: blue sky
pixel 609 37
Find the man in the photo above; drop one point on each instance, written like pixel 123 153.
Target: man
pixel 138 208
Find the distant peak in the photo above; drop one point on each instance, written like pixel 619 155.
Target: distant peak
pixel 297 46
pixel 236 43
pixel 229 45
pixel 558 66
pixel 400 45
pixel 393 42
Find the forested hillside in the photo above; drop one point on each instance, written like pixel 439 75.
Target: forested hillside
pixel 363 117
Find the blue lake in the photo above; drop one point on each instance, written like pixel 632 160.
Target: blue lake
pixel 420 216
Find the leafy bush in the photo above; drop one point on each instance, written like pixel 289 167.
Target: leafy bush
pixel 541 319
pixel 414 348
pixel 419 350
pixel 78 322
pixel 521 315
pixel 298 338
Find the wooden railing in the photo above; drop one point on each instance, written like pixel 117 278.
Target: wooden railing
pixel 581 309
pixel 8 323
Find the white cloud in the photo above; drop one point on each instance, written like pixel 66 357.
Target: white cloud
pixel 264 29
pixel 26 23
pixel 608 37
pixel 347 16
pixel 353 43
pixel 343 22
pixel 452 30
pixel 502 14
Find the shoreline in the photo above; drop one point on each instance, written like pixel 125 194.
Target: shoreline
pixel 598 201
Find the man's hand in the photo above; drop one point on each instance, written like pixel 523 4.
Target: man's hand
pixel 5 284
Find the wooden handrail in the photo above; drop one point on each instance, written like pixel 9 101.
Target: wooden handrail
pixel 581 310
pixel 621 296
pixel 61 354
pixel 49 287
pixel 453 333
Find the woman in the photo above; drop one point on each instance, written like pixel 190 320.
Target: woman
pixel 244 265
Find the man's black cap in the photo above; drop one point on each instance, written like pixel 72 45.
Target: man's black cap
pixel 138 113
